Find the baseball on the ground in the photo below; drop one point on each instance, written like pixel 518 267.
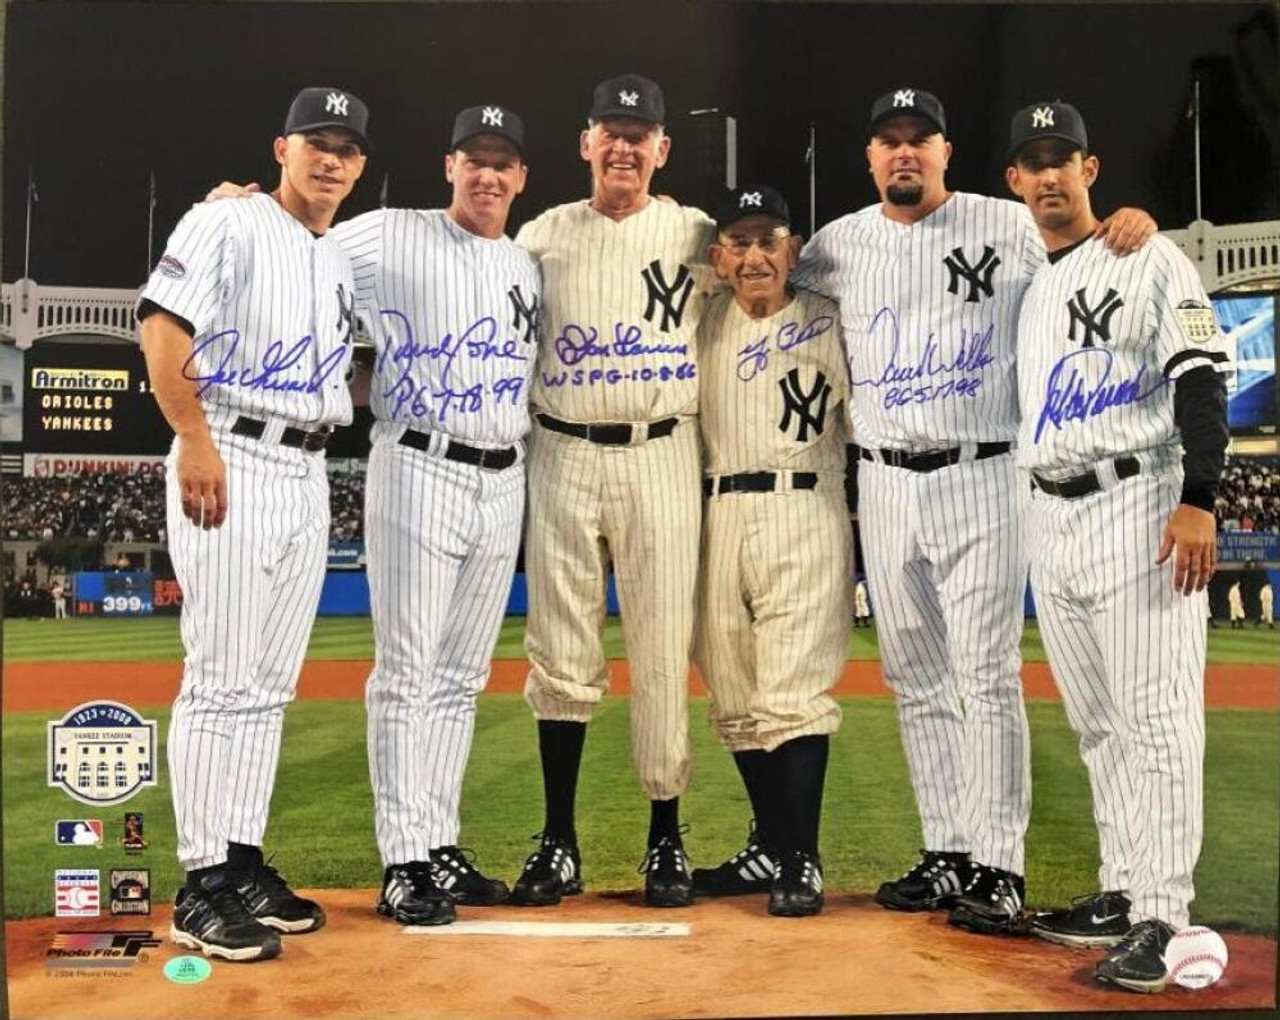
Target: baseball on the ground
pixel 1196 957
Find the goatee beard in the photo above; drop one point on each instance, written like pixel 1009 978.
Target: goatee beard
pixel 904 194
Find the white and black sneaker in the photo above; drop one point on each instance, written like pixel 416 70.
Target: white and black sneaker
pixel 1136 962
pixel 1095 919
pixel 667 882
pixel 934 883
pixel 410 895
pixel 991 903
pixel 797 891
pixel 210 918
pixel 267 895
pixel 456 874
pixel 750 870
pixel 552 871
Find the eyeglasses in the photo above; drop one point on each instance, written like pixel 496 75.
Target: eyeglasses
pixel 769 243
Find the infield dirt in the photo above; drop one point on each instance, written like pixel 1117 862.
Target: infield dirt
pixel 855 958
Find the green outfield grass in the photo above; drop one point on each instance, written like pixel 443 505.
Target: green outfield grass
pixel 322 826
pixel 156 639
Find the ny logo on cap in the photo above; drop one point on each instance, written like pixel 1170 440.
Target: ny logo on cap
pixel 750 198
pixel 904 97
pixel 1042 117
pixel 335 102
pixel 491 115
pixel 628 98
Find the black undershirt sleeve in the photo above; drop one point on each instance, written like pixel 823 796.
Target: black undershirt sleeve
pixel 1200 411
pixel 147 307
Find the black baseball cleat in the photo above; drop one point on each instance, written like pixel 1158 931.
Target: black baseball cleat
pixel 1095 919
pixel 750 870
pixel 268 897
pixel 1137 962
pixel 991 903
pixel 667 882
pixel 797 891
pixel 552 871
pixel 211 919
pixel 933 884
pixel 410 895
pixel 456 874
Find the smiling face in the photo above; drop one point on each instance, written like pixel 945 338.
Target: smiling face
pixel 319 168
pixel 755 255
pixel 908 158
pixel 487 174
pixel 1053 177
pixel 624 153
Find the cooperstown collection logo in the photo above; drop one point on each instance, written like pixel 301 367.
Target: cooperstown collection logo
pixel 102 752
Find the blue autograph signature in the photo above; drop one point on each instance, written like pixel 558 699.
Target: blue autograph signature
pixel 480 342
pixel 903 381
pixel 1067 397
pixel 576 343
pixel 754 358
pixel 276 360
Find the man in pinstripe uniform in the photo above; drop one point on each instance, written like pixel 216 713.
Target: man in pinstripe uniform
pixel 929 282
pixel 454 309
pixel 614 476
pixel 1124 433
pixel 247 323
pixel 777 557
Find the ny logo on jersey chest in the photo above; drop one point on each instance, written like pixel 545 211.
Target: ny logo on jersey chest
pixel 669 297
pixel 524 314
pixel 977 275
pixel 806 408
pixel 346 323
pixel 1095 321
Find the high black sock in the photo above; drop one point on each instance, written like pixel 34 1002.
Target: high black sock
pixel 664 820
pixel 757 771
pixel 560 747
pixel 802 765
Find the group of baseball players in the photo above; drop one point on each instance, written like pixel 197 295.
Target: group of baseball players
pixel 677 395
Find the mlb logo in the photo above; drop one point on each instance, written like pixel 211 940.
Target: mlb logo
pixel 78 832
pixel 75 893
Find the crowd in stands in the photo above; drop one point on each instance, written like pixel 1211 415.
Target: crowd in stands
pixel 1249 495
pixel 130 508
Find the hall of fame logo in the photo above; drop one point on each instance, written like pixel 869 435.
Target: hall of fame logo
pixel 102 752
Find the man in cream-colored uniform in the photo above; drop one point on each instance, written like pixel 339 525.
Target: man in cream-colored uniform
pixel 614 476
pixel 777 546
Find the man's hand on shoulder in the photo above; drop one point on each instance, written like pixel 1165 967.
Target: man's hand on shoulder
pixel 229 190
pixel 1126 230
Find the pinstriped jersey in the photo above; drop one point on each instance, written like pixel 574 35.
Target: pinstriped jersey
pixel 622 303
pixel 454 318
pixel 272 306
pixel 929 313
pixel 1100 341
pixel 773 391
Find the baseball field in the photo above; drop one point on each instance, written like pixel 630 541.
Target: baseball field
pixel 321 828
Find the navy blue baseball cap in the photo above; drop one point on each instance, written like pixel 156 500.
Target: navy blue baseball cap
pixel 1047 120
pixel 629 95
pixel 907 102
pixel 753 200
pixel 326 107
pixel 488 120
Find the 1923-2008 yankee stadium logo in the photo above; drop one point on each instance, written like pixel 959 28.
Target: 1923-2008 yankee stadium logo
pixel 102 752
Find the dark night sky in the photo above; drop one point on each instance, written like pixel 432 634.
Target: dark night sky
pixel 96 94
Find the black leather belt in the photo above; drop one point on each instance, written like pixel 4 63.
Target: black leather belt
pixel 756 481
pixel 932 460
pixel 1088 483
pixel 606 433
pixel 494 460
pixel 312 442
